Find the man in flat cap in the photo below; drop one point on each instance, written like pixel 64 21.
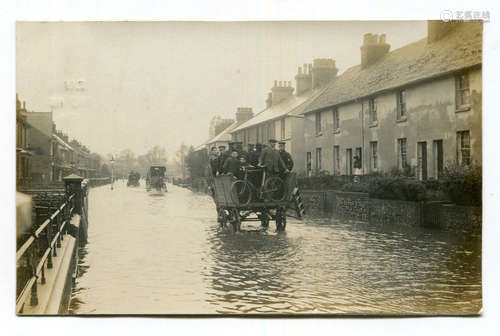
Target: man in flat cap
pixel 270 159
pixel 285 156
pixel 213 157
pixel 223 155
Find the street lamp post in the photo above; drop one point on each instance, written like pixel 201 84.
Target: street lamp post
pixel 112 173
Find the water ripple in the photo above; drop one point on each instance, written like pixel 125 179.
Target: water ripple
pixel 162 255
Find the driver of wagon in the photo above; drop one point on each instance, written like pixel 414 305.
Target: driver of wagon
pixel 270 159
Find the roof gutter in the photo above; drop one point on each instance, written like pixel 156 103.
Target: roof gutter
pixel 393 88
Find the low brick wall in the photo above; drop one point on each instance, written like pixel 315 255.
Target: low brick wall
pixel 460 218
pixel 314 200
pixel 359 207
pixel 349 205
pixel 395 212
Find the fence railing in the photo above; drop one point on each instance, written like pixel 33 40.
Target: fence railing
pixel 36 254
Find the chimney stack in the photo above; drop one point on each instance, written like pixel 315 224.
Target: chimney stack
pixel 323 71
pixel 243 114
pixel 303 80
pixel 373 48
pixel 269 100
pixel 280 92
pixel 436 29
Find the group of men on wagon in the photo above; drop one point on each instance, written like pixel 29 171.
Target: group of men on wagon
pixel 235 160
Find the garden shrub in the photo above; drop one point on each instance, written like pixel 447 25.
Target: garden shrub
pixel 463 184
pixel 356 187
pixel 396 188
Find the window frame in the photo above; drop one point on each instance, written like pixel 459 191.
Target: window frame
pixel 461 149
pixel 462 91
pixel 318 126
pixel 372 110
pixel 374 155
pixel 402 157
pixel 336 120
pixel 318 160
pixel 401 105
pixel 336 159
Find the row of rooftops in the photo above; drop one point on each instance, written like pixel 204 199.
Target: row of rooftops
pixel 448 48
pixel 61 138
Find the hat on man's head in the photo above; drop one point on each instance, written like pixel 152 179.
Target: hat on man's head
pixel 272 140
pixel 222 146
pixel 281 142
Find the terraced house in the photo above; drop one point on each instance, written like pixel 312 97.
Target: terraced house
pixel 417 107
pixel 282 119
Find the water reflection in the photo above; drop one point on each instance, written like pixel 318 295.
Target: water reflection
pixel 169 255
pixel 249 272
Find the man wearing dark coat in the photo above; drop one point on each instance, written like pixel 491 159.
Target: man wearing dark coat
pixel 214 161
pixel 232 164
pixel 285 156
pixel 223 155
pixel 253 156
pixel 254 159
pixel 270 159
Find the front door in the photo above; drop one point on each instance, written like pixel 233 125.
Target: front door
pixel 422 160
pixel 438 158
pixel 348 158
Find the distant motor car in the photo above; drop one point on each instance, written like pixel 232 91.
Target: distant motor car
pixel 155 179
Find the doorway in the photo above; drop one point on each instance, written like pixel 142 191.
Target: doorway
pixel 348 158
pixel 422 160
pixel 438 158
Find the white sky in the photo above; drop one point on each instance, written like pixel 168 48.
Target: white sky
pixel 148 83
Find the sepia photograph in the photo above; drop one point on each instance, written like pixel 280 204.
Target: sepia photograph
pixel 249 168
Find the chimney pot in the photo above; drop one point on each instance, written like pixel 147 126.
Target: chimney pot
pixel 374 47
pixel 323 71
pixel 436 29
pixel 299 71
pixel 275 83
pixel 280 92
pixel 303 80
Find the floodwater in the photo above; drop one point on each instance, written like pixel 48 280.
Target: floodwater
pixel 167 255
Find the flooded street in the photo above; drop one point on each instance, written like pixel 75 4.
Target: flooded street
pixel 167 254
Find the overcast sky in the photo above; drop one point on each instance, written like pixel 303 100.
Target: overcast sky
pixel 161 82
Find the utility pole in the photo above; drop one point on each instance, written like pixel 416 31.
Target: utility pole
pixel 112 172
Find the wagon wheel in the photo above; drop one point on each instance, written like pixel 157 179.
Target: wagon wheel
pixel 241 191
pixel 274 189
pixel 235 220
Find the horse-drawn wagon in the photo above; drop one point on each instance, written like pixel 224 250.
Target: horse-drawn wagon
pixel 256 198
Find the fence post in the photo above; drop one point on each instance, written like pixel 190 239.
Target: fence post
pixel 73 186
